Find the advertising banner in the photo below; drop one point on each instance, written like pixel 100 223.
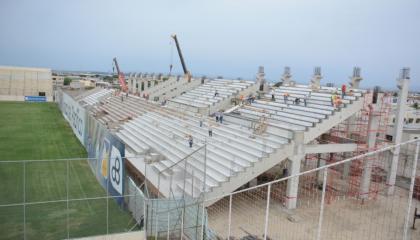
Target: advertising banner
pixel 75 115
pixel 106 158
pixel 35 99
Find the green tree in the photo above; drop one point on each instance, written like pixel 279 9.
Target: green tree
pixel 67 81
pixel 416 105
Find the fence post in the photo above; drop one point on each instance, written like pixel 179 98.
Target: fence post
pixel 24 200
pixel 156 220
pixel 107 206
pixel 169 219
pixel 321 212
pixel 230 216
pixel 202 220
pixel 158 186
pixel 182 223
pixel 145 217
pixel 267 212
pixel 67 202
pixel 410 195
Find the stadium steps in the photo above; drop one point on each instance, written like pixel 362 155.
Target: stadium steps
pixel 235 153
pixel 203 100
pixel 326 119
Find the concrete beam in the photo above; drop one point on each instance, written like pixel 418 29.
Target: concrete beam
pixel 330 148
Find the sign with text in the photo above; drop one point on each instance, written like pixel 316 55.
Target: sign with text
pixel 35 99
pixel 75 115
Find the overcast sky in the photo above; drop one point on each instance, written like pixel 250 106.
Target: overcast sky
pixel 218 37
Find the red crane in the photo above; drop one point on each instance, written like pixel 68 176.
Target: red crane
pixel 121 77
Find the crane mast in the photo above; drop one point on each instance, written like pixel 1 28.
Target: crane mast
pixel 121 77
pixel 184 67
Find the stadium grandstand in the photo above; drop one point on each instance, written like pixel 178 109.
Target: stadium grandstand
pixel 229 159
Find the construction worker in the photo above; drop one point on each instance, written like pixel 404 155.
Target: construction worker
pixel 343 91
pixel 190 141
pixel 241 98
pixel 216 93
pixel 286 97
pixel 333 97
pixel 201 120
pixel 338 102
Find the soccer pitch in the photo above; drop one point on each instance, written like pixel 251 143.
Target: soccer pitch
pixel 34 131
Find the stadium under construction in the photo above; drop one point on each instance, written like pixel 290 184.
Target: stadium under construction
pixel 200 158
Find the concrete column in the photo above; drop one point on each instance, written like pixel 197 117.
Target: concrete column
pixel 354 83
pixel 403 83
pixel 262 84
pixel 356 78
pixel 371 142
pixel 316 79
pixel 294 168
pixel 321 162
pixel 286 77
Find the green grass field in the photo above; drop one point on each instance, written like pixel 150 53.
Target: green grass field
pixel 34 131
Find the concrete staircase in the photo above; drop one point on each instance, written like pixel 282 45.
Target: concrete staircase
pixel 238 151
pixel 287 118
pixel 204 99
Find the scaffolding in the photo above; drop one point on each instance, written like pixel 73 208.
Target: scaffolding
pixel 345 181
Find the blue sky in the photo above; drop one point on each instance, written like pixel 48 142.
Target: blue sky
pixel 219 37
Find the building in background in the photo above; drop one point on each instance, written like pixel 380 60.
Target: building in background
pixel 23 84
pixel 58 81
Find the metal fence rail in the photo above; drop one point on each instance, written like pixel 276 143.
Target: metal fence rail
pixel 330 205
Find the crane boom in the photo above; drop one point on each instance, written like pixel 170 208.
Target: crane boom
pixel 184 67
pixel 121 77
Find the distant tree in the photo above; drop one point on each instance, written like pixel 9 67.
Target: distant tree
pixel 108 79
pixel 67 81
pixel 416 105
pixel 395 94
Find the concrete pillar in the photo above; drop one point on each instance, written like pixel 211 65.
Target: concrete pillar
pixel 294 168
pixel 316 79
pixel 356 78
pixel 261 82
pixel 371 143
pixel 286 77
pixel 354 83
pixel 403 83
pixel 320 174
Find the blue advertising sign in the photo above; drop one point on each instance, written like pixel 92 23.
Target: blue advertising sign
pixel 106 158
pixel 35 99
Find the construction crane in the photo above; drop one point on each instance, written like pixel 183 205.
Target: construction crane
pixel 121 77
pixel 187 74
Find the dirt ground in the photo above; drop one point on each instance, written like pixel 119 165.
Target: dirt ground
pixel 344 218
